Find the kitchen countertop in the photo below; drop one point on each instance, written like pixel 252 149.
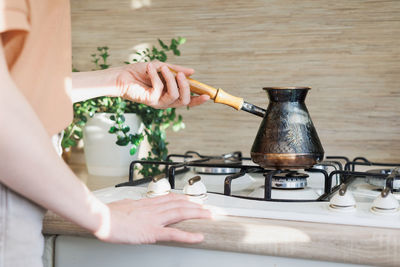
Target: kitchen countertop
pixel 316 241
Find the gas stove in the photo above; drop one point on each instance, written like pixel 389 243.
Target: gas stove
pixel 337 190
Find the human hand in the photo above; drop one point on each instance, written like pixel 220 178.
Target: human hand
pixel 144 221
pixel 141 83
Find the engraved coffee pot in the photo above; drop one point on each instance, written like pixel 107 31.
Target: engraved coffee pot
pixel 287 138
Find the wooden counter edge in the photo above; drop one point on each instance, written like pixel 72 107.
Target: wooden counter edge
pixel 315 241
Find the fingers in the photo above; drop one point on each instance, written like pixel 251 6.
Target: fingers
pixel 144 221
pixel 177 93
pixel 186 71
pixel 171 234
pixel 198 100
pixel 176 68
pixel 180 214
pixel 156 82
pixel 185 98
pixel 172 93
pixel 184 91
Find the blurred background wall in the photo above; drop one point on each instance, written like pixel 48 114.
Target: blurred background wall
pixel 347 51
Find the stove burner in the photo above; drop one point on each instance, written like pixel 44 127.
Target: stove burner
pixel 380 181
pixel 289 180
pixel 230 160
pixel 217 170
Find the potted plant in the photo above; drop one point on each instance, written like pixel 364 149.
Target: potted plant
pixel 113 128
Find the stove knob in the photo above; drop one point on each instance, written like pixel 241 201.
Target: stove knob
pixel 195 189
pixel 343 200
pixel 385 203
pixel 158 187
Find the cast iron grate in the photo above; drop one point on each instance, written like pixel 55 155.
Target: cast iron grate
pixel 344 171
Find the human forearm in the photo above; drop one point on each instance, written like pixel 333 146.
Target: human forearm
pixel 91 84
pixel 30 166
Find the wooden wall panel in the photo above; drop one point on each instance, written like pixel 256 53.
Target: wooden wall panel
pixel 347 51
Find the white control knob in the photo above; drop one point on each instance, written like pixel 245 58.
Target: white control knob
pixel 385 203
pixel 158 187
pixel 343 200
pixel 195 188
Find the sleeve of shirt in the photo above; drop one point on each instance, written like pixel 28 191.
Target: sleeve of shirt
pixel 14 15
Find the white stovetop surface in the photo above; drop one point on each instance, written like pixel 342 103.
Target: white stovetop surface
pixel 251 185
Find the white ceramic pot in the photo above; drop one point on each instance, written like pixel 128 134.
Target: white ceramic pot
pixel 103 156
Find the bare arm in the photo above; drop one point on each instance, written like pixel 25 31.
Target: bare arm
pixel 44 177
pixel 139 82
pixel 91 84
pixel 47 180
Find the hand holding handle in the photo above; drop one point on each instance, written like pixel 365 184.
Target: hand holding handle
pixel 218 95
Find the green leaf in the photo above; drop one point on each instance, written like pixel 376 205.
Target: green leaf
pixel 162 44
pixel 121 118
pixel 133 150
pixel 83 118
pixel 172 47
pixel 154 150
pixel 162 57
pixel 78 134
pixel 126 129
pixel 122 104
pixel 136 138
pixel 176 52
pixel 71 142
pixel 113 129
pixel 174 42
pixel 122 141
pixel 178 126
pixel 80 123
pixel 112 117
pixel 181 40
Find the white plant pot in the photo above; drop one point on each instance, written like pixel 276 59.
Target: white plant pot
pixel 103 156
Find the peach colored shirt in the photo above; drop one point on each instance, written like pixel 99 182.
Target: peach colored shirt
pixel 36 38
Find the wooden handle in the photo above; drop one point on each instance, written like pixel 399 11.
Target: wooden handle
pixel 228 99
pixel 202 89
pixel 218 95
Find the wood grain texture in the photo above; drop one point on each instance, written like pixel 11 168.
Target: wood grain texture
pixel 316 241
pixel 347 51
